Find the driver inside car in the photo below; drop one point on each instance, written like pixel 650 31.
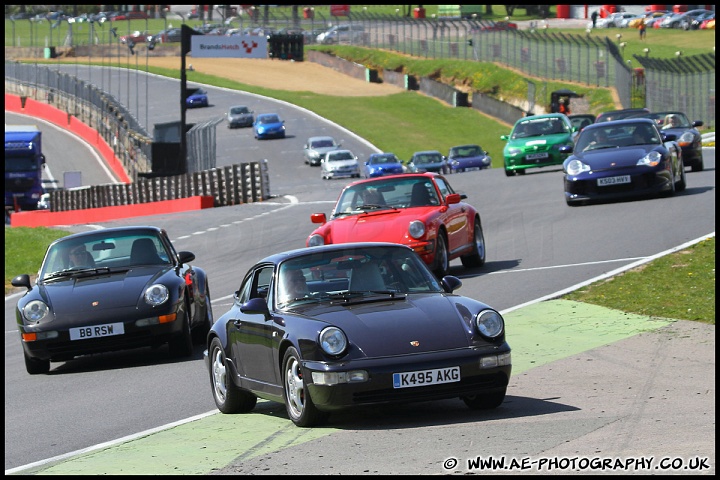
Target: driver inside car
pixel 292 285
pixel 600 137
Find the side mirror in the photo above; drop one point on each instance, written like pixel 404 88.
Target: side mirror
pixel 452 198
pixel 22 281
pixel 318 218
pixel 256 305
pixel 450 283
pixel 186 257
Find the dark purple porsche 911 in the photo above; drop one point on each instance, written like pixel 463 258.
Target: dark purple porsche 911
pixel 336 326
pixel 112 289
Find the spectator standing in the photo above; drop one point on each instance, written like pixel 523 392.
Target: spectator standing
pixel 594 16
pixel 563 107
pixel 641 29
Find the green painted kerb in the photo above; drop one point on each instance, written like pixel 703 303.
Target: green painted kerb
pixel 547 331
pixel 193 448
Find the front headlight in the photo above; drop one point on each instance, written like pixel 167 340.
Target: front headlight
pixel 513 151
pixel 652 159
pixel 686 139
pixel 333 341
pixel 316 240
pixel 156 294
pixel 35 311
pixel 489 323
pixel 416 229
pixel 576 167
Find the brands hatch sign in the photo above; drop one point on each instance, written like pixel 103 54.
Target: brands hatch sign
pixel 216 46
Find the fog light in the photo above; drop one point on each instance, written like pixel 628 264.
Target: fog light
pixel 496 361
pixel 146 322
pixel 335 378
pixel 489 362
pixel 34 336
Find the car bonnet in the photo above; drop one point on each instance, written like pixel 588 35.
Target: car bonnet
pixel 614 157
pixel 381 328
pixel 80 294
pixel 389 225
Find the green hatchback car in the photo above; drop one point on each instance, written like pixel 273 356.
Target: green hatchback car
pixel 535 141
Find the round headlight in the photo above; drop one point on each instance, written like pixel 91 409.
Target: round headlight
pixel 333 341
pixel 686 139
pixel 652 159
pixel 489 323
pixel 316 241
pixel 35 311
pixel 156 294
pixel 575 167
pixel 416 229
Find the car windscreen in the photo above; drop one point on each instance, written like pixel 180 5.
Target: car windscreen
pixel 106 251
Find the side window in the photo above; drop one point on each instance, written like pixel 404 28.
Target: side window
pixel 264 277
pixel 256 284
pixel 444 188
pixel 244 294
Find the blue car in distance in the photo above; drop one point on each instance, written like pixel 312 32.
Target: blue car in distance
pixel 428 161
pixel 268 125
pixel 199 98
pixel 463 158
pixel 379 164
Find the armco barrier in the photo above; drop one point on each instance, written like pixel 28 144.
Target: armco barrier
pixel 347 67
pixel 46 218
pixel 229 185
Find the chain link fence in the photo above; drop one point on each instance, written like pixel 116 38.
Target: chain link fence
pixel 683 83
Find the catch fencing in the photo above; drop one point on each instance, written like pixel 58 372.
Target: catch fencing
pixel 114 121
pixel 683 83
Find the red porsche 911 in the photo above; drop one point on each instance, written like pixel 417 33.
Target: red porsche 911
pixel 419 210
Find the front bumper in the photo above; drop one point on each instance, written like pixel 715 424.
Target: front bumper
pixel 578 190
pixel 378 389
pixel 62 347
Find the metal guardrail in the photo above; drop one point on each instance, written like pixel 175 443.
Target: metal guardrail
pixel 228 185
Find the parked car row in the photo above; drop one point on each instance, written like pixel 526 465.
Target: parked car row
pixel 689 20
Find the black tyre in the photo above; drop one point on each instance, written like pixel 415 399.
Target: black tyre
pixel 699 165
pixel 477 257
pixel 485 401
pixel 228 397
pixel 35 366
pixel 299 405
pixel 181 345
pixel 509 173
pixel 442 256
pixel 200 332
pixel 682 182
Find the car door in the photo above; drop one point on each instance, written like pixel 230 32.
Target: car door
pixel 251 334
pixel 455 218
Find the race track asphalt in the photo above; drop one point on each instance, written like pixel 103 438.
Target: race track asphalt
pixel 574 362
